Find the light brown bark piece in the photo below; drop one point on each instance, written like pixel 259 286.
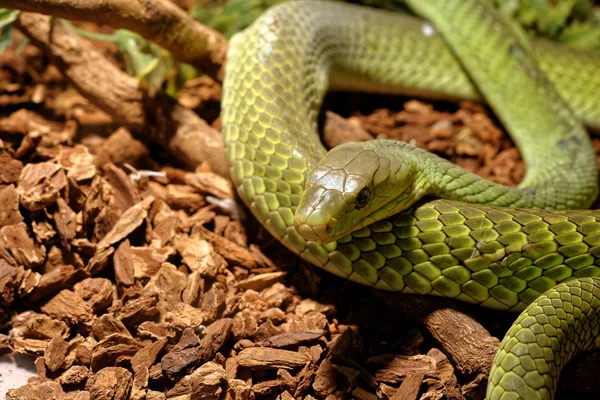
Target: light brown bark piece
pixel 268 358
pixel 67 306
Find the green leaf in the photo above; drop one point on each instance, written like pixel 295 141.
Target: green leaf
pixel 556 16
pixel 7 16
pixel 146 68
pixel 571 22
pixel 231 16
pixel 581 35
pixel 132 46
pixel 6 37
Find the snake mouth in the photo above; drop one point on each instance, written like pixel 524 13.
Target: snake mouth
pixel 312 233
pixel 319 233
pixel 306 223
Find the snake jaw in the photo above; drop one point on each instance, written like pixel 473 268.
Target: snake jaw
pixel 311 233
pixel 319 233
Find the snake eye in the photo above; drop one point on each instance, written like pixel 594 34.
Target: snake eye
pixel 362 198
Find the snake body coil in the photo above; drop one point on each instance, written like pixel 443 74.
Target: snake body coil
pixel 468 245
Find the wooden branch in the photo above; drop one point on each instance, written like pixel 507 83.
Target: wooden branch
pixel 160 21
pixel 187 137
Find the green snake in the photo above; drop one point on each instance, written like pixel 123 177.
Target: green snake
pixel 388 215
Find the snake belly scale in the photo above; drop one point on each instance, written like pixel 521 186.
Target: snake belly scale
pixel 359 211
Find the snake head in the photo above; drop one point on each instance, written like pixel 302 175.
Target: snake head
pixel 354 185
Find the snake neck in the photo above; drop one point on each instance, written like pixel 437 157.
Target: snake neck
pixel 432 175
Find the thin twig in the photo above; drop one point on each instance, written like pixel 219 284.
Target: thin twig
pixel 160 21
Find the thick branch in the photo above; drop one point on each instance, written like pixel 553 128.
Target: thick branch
pixel 187 137
pixel 160 21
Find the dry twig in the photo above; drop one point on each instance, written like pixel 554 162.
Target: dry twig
pixel 160 21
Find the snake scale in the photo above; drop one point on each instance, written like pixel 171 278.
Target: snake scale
pixel 388 215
